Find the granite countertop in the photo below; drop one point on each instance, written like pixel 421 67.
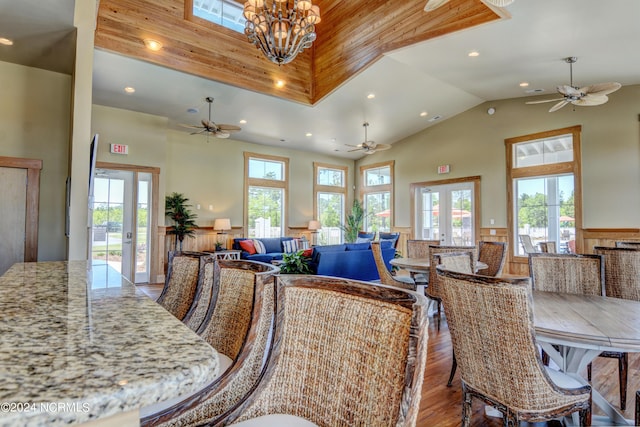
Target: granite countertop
pixel 70 353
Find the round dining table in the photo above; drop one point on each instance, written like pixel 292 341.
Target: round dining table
pixel 582 326
pixel 422 265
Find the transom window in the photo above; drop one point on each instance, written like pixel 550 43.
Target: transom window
pixel 330 193
pixel 377 196
pixel 227 13
pixel 266 195
pixel 544 189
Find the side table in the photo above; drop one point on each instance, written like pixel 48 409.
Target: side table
pixel 227 254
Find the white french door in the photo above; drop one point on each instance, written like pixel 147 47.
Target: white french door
pixel 446 213
pixel 120 230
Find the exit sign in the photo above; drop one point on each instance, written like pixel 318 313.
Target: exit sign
pixel 443 169
pixel 119 149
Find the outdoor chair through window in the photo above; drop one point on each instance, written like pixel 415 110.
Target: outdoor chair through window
pixel 527 244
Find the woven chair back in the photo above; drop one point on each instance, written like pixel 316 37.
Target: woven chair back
pixel 420 248
pixel 181 284
pixel 433 290
pixel 621 271
pixel 491 324
pixel 568 273
pixel 628 244
pixel 198 310
pixel 494 255
pixel 386 278
pixel 334 363
pixel 244 339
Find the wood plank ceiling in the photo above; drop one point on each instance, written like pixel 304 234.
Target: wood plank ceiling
pixel 353 35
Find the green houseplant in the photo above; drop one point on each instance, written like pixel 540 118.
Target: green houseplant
pixel 295 263
pixel 177 209
pixel 353 222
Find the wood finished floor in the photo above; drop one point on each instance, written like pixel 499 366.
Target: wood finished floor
pixel 441 405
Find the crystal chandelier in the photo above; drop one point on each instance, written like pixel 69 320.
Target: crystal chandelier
pixel 281 28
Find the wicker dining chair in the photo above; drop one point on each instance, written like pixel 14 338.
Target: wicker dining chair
pixel 432 291
pixel 202 299
pixel 621 280
pixel 420 249
pixel 628 244
pixel 494 255
pixel 568 273
pixel 344 353
pixel 496 351
pixel 239 325
pixel 181 284
pixel 386 278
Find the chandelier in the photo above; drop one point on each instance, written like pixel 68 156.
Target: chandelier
pixel 281 28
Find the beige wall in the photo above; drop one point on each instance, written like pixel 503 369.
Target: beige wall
pixel 34 123
pixel 208 173
pixel 473 144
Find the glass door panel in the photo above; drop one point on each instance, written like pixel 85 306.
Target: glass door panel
pixel 446 213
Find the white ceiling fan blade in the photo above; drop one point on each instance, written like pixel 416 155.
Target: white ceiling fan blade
pixel 382 147
pixel 568 90
pixel 558 106
pixel 543 101
pixel 591 100
pixel 434 4
pixel 221 135
pixel 229 128
pixel 601 88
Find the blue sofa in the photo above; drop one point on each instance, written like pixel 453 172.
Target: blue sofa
pixel 351 260
pixel 273 246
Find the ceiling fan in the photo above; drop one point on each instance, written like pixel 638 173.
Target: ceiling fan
pixel 211 128
pixel 583 96
pixel 368 147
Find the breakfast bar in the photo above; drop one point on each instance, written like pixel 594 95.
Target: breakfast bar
pixel 76 348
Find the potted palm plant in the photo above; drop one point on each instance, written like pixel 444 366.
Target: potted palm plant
pixel 177 209
pixel 353 222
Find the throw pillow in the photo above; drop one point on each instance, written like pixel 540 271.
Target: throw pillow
pixel 247 245
pixel 260 249
pixel 290 246
pixel 362 240
pixel 307 253
pixel 302 243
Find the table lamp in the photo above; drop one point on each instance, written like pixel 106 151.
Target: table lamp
pixel 314 226
pixel 222 225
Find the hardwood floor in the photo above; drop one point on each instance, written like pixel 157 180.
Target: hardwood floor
pixel 441 405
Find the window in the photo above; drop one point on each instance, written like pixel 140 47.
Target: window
pixel 330 193
pixel 227 13
pixel 377 196
pixel 266 183
pixel 544 188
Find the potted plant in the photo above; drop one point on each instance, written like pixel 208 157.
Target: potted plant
pixel 295 263
pixel 177 209
pixel 353 222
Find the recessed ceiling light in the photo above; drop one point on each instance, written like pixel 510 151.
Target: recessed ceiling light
pixel 371 96
pixel 243 121
pixel 474 53
pixel 129 89
pixel 5 41
pixel 151 44
pixel 279 83
pixel 308 134
pixel 524 84
pixel 424 114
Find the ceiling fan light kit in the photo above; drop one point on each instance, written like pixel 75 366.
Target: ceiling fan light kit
pixel 586 96
pixel 281 28
pixel 209 127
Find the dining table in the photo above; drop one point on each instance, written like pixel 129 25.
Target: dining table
pixel 79 344
pixel 574 329
pixel 422 265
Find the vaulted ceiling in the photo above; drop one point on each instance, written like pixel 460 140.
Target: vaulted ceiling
pixel 352 36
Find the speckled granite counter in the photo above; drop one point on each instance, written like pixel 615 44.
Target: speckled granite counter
pixel 70 354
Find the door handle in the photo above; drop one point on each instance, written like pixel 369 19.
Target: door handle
pixel 129 235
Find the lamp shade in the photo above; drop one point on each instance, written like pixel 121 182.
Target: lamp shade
pixel 314 225
pixel 222 224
